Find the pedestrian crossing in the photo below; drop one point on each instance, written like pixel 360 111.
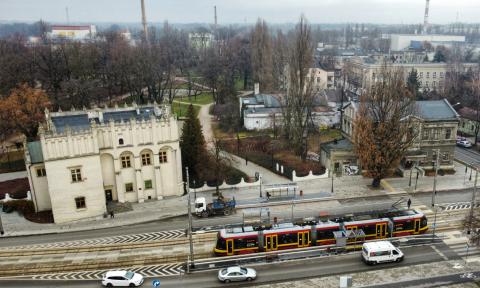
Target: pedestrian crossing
pixel 133 238
pixel 459 206
pixel 146 271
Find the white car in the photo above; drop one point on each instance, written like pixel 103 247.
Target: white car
pixel 380 252
pixel 236 273
pixel 122 278
pixel 464 143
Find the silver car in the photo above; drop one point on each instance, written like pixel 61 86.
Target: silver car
pixel 236 273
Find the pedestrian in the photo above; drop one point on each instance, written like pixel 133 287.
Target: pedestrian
pixel 246 160
pixel 268 195
pixel 409 202
pixel 112 215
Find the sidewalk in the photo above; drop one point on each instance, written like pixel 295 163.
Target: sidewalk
pixel 16 225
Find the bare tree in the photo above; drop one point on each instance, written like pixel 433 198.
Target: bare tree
pixel 383 127
pixel 262 56
pixel 297 104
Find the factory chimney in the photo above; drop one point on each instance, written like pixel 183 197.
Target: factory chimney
pixel 425 20
pixel 144 23
pixel 215 23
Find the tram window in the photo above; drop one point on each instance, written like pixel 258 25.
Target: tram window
pixel 287 238
pixel 424 221
pixel 369 229
pixel 221 244
pixel 324 234
pixel 244 243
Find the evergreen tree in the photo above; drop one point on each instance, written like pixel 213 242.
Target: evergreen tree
pixel 192 144
pixel 413 84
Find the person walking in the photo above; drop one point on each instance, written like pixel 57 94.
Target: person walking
pixel 112 215
pixel 409 203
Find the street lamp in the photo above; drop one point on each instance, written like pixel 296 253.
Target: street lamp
pixel 260 178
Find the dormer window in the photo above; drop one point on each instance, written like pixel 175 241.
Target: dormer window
pixel 120 141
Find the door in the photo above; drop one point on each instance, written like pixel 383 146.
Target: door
pixel 271 242
pixel 381 230
pixel 417 226
pixel 303 239
pixel 230 247
pixel 108 195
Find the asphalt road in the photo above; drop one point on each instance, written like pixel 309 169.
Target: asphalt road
pixel 345 207
pixel 467 155
pixel 272 273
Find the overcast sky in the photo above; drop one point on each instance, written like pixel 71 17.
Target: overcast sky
pixel 240 11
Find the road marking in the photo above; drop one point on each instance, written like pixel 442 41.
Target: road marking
pixel 132 238
pixel 147 271
pixel 439 252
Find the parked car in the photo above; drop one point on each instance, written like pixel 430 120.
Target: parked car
pixel 236 273
pixel 122 278
pixel 462 142
pixel 381 252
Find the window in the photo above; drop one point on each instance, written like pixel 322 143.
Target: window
pixel 435 134
pixel 148 184
pixel 128 187
pixel 434 74
pixel 80 203
pixel 120 141
pixel 41 172
pixel 445 156
pixel 146 159
pixel 163 156
pixel 76 174
pixel 421 74
pixel 426 84
pixel 441 74
pixel 126 161
pixel 448 133
pixel 426 134
pixel 428 74
pixel 434 83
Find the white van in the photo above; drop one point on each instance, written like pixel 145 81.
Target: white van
pixel 381 251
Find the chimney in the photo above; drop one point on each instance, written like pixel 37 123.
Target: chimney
pixel 144 22
pixel 425 20
pixel 256 89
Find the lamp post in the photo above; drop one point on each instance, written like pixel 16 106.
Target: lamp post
pixel 332 179
pixel 260 178
pixel 194 190
pixel 192 259
pixel 434 193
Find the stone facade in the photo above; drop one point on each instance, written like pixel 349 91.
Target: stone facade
pixel 436 126
pixel 92 157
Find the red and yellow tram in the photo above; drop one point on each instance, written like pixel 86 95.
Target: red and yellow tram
pixel 244 240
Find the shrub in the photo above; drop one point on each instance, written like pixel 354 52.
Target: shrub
pixel 22 206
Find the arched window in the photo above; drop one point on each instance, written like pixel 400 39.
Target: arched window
pixel 120 141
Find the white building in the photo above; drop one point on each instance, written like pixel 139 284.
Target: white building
pixel 85 159
pixel 73 32
pixel 200 40
pixel 405 41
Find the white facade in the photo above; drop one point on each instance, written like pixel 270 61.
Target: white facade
pixel 403 41
pixel 266 119
pixel 73 32
pixel 91 157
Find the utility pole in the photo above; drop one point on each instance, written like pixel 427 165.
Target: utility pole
pixel 192 259
pixel 470 226
pixel 144 22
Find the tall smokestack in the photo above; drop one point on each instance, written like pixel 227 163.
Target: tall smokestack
pixel 144 23
pixel 215 25
pixel 425 20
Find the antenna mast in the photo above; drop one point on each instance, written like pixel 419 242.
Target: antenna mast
pixel 144 22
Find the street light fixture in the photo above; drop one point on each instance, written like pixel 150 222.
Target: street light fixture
pixel 191 258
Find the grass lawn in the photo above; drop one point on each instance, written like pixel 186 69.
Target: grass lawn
pixel 181 109
pixel 202 99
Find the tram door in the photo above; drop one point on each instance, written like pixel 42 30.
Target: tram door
pixel 381 230
pixel 303 239
pixel 271 242
pixel 417 226
pixel 230 247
